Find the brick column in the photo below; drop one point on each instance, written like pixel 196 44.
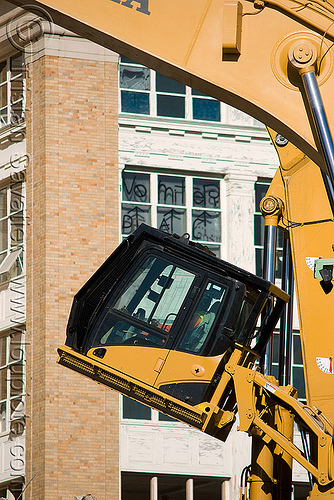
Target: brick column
pixel 72 209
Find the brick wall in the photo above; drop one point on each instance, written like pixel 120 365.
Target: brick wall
pixel 72 213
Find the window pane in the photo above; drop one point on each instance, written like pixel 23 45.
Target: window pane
pixel 112 331
pixel 275 348
pixel 16 90
pixel 16 379
pixel 147 268
pixel 298 381
pixel 135 102
pixel 3 420
pixel 169 105
pixel 206 193
pixel 16 112
pixel 203 318
pixel 206 109
pixel 17 267
pixel 3 344
pixel 127 60
pixel 171 190
pixel 136 187
pixel 135 77
pixel 170 299
pixel 16 370
pixel 3 235
pixel 133 216
pixel 275 371
pixel 171 221
pixel 147 306
pixel 260 192
pixel 17 65
pixel 206 226
pixel 3 203
pixel 3 117
pixel 197 92
pixel 158 303
pixel 3 71
pixel 3 95
pixel 259 261
pixel 165 84
pixel 214 249
pixel 258 230
pixel 3 384
pixel 280 237
pixel 279 263
pixel 15 350
pixel 133 409
pixel 16 229
pixel 297 351
pixel 16 197
pixel 166 418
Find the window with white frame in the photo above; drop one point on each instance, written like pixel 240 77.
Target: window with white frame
pixel 146 92
pixel 12 90
pixel 11 230
pixel 173 203
pixel 12 385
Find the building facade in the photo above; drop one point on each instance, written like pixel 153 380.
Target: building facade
pixel 91 145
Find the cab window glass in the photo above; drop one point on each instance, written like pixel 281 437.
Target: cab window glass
pixel 203 318
pixel 115 332
pixel 245 311
pixel 156 293
pixel 147 306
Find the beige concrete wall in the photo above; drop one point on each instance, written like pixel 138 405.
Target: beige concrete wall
pixel 72 213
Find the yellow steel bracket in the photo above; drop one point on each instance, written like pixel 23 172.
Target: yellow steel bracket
pixel 258 396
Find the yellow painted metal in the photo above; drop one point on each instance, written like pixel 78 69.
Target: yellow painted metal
pixel 183 367
pixel 133 361
pixel 318 493
pixel 307 216
pixel 284 423
pixel 262 476
pixel 185 40
pixel 131 387
pixel 167 367
pixel 232 22
pixel 257 397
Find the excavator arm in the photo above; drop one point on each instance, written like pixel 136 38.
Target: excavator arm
pixel 235 50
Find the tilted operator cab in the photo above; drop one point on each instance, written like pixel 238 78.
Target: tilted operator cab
pixel 164 313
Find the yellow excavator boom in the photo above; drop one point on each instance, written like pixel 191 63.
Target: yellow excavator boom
pixel 234 50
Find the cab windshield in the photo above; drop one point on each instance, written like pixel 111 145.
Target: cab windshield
pixel 147 306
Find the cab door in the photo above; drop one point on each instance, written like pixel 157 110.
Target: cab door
pixel 186 372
